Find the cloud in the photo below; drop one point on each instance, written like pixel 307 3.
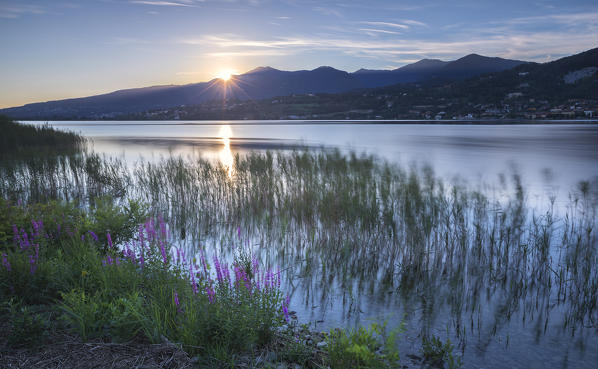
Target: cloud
pixel 387 24
pixel 527 46
pixel 373 30
pixel 163 3
pixel 249 53
pixel 412 22
pixel 11 11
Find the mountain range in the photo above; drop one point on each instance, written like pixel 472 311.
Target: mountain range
pixel 561 89
pixel 259 83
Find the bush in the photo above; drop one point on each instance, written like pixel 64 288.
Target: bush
pixel 438 353
pixel 363 347
pixel 142 289
pixel 27 328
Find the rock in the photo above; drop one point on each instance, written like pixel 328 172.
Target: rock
pixel 271 356
pixel 322 344
pixel 414 357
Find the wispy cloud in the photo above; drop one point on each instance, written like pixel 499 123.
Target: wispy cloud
pixel 162 3
pixel 571 19
pixel 413 22
pixel 526 46
pixel 387 24
pixel 16 10
pixel 373 30
pixel 250 53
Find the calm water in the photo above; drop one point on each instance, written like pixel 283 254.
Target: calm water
pixel 551 160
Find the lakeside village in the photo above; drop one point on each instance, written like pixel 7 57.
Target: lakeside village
pixel 514 106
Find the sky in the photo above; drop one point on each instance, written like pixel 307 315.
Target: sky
pixel 59 49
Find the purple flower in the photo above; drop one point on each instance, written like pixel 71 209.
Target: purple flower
pixel 285 308
pixel 5 262
pixel 210 293
pixel 109 239
pixel 176 302
pixel 163 251
pixel 193 282
pixel 32 265
pixel 218 270
pixel 93 235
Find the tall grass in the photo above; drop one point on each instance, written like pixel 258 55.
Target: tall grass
pixel 19 140
pixel 352 229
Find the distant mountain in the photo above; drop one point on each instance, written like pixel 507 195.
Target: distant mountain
pixel 428 69
pixel 259 83
pixel 561 89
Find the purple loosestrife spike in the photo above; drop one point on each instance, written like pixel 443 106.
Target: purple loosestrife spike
pixel 239 232
pixel 82 237
pixel 193 282
pixel 163 251
pixel 109 239
pixel 211 293
pixel 202 259
pixel 218 270
pixel 5 262
pixel 176 300
pixel 141 237
pixel 285 308
pixel 93 235
pixel 32 265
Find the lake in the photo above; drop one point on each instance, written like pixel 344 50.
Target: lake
pixel 502 303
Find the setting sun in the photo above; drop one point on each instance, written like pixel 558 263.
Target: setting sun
pixel 225 74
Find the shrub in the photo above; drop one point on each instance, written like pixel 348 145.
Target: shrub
pixel 438 353
pixel 363 347
pixel 27 328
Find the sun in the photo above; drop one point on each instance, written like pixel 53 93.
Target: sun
pixel 225 74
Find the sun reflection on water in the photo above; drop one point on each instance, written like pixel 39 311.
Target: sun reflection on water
pixel 225 154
